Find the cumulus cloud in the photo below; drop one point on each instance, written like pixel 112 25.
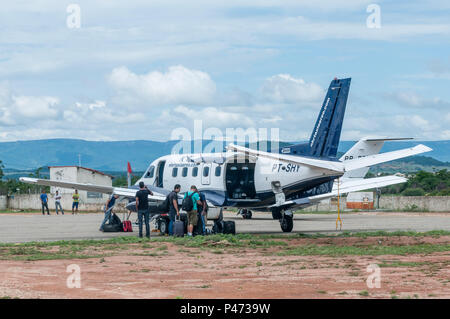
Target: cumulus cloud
pixel 20 109
pixel 284 88
pixel 179 85
pixel 415 100
pixel 213 116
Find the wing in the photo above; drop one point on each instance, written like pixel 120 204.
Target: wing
pixel 329 165
pixel 345 187
pixel 121 191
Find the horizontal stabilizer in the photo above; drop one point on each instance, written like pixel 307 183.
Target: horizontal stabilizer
pixel 355 185
pixel 384 157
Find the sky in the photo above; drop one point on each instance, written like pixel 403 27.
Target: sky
pixel 144 69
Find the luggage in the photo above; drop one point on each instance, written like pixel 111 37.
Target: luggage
pixel 114 225
pixel 187 205
pixel 112 228
pixel 178 228
pixel 127 227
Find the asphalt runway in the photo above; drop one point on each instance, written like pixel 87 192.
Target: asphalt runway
pixel 16 228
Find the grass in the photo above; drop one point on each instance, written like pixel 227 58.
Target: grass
pixel 219 244
pixel 372 250
pixel 364 293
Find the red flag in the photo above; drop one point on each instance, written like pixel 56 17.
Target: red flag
pixel 129 169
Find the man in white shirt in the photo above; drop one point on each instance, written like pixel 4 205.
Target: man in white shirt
pixel 58 202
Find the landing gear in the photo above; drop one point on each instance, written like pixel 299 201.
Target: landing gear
pixel 287 221
pixel 246 214
pixel 276 214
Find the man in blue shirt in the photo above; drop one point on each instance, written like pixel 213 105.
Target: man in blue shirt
pixel 108 210
pixel 192 215
pixel 44 202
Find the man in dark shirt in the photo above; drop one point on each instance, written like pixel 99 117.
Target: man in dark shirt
pixel 142 208
pixel 173 207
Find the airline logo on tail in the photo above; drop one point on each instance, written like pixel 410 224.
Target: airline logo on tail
pixel 320 121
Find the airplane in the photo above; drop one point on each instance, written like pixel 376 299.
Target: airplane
pixel 279 181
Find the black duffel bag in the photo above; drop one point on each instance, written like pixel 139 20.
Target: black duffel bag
pixel 114 225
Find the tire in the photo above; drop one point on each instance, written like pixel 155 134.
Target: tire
pixel 246 214
pixel 276 214
pixel 163 226
pixel 287 224
pixel 229 227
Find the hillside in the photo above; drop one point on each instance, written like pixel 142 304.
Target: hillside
pixel 113 156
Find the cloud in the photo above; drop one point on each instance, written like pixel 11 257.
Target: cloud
pixel 415 100
pixel 213 116
pixel 21 109
pixel 179 85
pixel 283 88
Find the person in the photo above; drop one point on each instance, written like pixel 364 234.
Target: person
pixel 108 210
pixel 192 215
pixel 58 203
pixel 174 211
pixel 76 199
pixel 142 208
pixel 202 213
pixel 44 202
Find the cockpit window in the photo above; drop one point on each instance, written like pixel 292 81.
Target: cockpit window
pixel 150 172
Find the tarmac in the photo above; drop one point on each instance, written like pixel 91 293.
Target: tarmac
pixel 26 227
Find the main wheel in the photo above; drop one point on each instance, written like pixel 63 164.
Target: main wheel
pixel 286 223
pixel 229 227
pixel 163 226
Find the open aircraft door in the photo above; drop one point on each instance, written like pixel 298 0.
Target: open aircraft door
pixel 206 174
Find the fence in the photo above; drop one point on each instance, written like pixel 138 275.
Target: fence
pixel 411 203
pixel 32 201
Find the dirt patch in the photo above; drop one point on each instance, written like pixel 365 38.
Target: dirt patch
pixel 167 270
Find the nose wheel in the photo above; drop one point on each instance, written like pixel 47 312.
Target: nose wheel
pixel 287 221
pixel 245 213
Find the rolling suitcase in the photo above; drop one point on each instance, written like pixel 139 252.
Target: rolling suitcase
pixel 178 228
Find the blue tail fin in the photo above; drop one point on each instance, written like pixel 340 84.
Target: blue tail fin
pixel 325 137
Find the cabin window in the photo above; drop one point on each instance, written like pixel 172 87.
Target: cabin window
pixel 150 172
pixel 205 171
pixel 184 172
pixel 174 172
pixel 195 172
pixel 218 170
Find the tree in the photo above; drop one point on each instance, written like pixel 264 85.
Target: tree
pixel 1 169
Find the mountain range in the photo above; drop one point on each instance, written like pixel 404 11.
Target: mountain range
pixel 114 155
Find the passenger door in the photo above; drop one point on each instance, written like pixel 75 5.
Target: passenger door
pixel 206 174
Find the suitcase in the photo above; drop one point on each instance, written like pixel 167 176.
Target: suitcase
pixel 127 227
pixel 178 228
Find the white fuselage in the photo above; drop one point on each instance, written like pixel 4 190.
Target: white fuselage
pixel 238 181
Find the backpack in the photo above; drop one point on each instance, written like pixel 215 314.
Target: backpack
pixel 187 205
pixel 164 206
